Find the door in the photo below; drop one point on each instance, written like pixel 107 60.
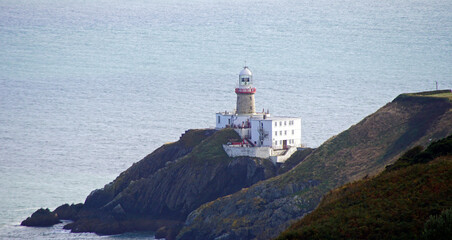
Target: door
pixel 284 144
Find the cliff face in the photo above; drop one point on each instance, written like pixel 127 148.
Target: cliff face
pixel 158 192
pixel 148 166
pixel 263 210
pixel 192 184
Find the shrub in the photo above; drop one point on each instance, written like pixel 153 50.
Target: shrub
pixel 438 227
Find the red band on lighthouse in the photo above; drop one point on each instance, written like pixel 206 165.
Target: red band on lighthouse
pixel 245 90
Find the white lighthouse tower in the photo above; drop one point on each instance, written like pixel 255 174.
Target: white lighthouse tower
pixel 245 93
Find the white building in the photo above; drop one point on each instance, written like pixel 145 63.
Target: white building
pixel 262 135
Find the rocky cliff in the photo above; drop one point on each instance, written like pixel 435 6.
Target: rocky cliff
pixel 158 192
pixel 192 184
pixel 265 209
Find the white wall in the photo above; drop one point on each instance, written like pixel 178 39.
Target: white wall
pixel 239 119
pixel 222 120
pixel 283 158
pixel 243 132
pixel 235 151
pixel 258 152
pixel 255 123
pixel 283 130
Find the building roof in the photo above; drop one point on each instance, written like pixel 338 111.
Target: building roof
pixel 246 71
pixel 276 118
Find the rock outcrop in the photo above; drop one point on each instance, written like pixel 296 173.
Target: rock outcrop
pixel 162 189
pixel 158 192
pixel 68 212
pixel 41 218
pixel 148 166
pixel 192 189
pixel 265 209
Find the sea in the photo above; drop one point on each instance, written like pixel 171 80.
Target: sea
pixel 88 87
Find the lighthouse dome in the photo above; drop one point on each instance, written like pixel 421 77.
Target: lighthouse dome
pixel 245 78
pixel 245 71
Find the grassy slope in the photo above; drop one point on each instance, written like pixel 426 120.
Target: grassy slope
pixel 157 159
pixel 438 93
pixel 365 148
pixel 395 204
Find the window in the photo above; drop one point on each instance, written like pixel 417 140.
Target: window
pixel 229 121
pixel 219 119
pixel 280 133
pixel 280 142
pixel 276 133
pixel 276 124
pixel 280 123
pixel 293 132
pixel 285 123
pixel 285 132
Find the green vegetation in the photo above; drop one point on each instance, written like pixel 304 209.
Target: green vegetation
pixel 393 205
pixel 444 95
pixel 438 227
pixel 437 94
pixel 416 155
pixel 193 137
pixel 295 159
pixel 212 148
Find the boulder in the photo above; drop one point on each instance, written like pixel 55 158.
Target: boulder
pixel 68 212
pixel 41 218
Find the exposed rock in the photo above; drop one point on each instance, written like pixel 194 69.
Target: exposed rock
pixel 118 210
pixel 41 218
pixel 266 208
pixel 68 212
pixel 161 232
pixel 194 181
pixel 163 188
pixel 148 166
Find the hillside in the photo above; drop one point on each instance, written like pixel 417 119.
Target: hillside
pixel 393 205
pixel 265 209
pixel 194 186
pixel 158 192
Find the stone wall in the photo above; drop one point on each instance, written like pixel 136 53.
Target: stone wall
pixel 258 152
pixel 238 151
pixel 245 103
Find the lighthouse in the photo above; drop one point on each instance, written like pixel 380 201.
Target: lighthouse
pixel 245 93
pixel 262 135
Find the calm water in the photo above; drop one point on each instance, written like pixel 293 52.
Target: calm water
pixel 89 87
